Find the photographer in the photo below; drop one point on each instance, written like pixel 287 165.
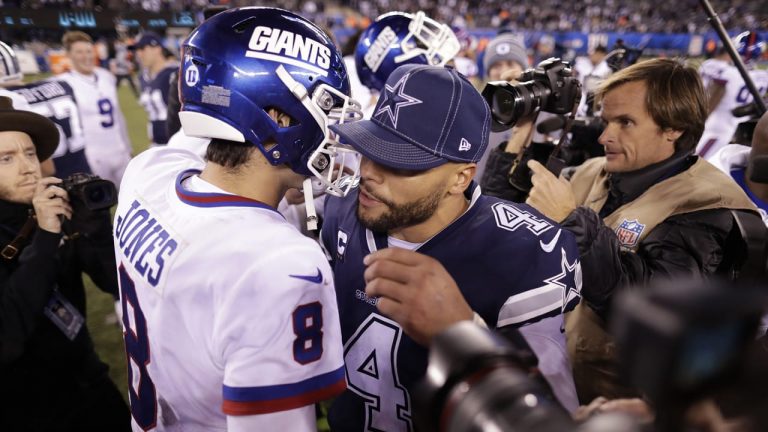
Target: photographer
pixel 649 209
pixel 505 58
pixel 51 377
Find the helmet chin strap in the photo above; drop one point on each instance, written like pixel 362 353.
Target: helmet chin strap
pixel 309 205
pixel 302 95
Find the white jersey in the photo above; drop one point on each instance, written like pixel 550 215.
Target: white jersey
pixel 229 312
pixel 721 124
pixel 590 76
pixel 360 92
pixel 56 100
pixel 107 145
pixel 733 159
pixel 18 102
pixel 711 70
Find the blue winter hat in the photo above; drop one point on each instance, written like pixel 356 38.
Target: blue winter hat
pixel 426 116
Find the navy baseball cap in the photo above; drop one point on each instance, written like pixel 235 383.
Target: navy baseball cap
pixel 147 39
pixel 426 116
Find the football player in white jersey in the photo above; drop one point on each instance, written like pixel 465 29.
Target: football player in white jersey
pixel 107 145
pixel 711 69
pixel 10 75
pixel 229 313
pixel 727 90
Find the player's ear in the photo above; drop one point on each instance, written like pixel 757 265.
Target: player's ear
pixel 463 174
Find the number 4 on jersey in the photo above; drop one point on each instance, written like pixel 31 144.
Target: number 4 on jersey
pixel 370 356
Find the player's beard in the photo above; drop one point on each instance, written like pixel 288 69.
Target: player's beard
pixel 402 215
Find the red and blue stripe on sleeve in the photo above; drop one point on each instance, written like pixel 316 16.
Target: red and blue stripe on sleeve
pixel 283 397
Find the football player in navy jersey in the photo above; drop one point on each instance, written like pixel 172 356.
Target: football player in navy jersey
pixel 511 265
pixel 157 68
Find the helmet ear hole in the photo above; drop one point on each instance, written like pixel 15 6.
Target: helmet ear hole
pixel 280 118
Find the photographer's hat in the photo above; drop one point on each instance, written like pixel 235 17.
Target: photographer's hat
pixel 426 116
pixel 43 132
pixel 505 46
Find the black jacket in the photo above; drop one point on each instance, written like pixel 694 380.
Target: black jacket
pixel 695 244
pixel 43 374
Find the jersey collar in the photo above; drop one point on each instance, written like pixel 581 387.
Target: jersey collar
pixel 213 199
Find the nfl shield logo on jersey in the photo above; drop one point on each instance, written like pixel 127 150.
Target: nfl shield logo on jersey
pixel 629 233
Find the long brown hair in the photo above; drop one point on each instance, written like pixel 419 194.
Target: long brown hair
pixel 674 98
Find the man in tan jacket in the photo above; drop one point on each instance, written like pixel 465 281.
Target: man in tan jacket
pixel 649 209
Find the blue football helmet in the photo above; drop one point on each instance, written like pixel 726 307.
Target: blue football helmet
pixel 242 62
pixel 750 45
pixel 398 38
pixel 10 70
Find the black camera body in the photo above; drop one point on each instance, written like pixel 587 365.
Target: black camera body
pixel 89 192
pixel 477 378
pixel 550 87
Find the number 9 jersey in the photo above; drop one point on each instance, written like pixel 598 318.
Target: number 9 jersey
pixel 107 145
pixel 229 313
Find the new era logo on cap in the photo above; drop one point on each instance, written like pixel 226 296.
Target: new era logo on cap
pixel 426 116
pixel 464 145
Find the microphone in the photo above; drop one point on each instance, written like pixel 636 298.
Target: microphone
pixel 759 168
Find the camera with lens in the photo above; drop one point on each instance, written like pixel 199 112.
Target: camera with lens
pixel 550 87
pixel 89 192
pixel 479 380
pixel 680 342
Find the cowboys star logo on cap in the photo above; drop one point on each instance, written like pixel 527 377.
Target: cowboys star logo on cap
pixel 445 119
pixel 395 98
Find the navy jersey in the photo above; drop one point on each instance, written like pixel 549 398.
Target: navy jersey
pixel 56 101
pixel 512 265
pixel 154 98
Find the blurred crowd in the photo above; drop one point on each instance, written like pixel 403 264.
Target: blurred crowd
pixel 592 16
